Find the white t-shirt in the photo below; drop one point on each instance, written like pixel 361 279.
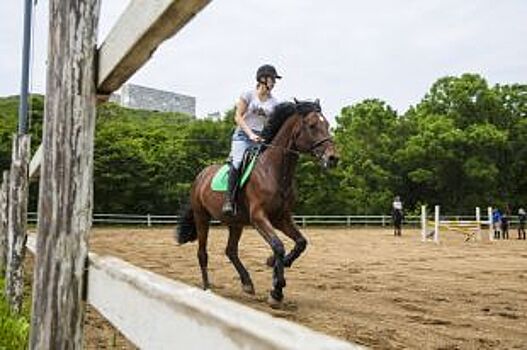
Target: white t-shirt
pixel 397 205
pixel 257 111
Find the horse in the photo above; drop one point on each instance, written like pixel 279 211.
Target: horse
pixel 397 216
pixel 267 199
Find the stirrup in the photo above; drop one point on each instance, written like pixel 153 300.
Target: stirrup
pixel 228 208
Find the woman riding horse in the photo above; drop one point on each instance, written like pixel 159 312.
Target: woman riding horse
pixel 267 199
pixel 252 111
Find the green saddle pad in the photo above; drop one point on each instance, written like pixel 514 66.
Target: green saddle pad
pixel 221 179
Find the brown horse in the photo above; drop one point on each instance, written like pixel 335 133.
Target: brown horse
pixel 266 201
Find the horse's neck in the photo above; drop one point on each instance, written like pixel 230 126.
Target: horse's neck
pixel 280 157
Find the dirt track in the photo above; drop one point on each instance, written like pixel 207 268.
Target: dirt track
pixel 364 285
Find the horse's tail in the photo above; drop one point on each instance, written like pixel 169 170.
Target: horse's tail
pixel 186 229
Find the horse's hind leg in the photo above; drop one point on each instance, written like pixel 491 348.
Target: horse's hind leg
pixel 235 233
pixel 202 226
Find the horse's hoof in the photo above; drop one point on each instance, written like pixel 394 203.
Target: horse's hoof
pixel 248 288
pixel 274 303
pixel 270 261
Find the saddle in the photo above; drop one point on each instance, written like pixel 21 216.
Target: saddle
pixel 221 179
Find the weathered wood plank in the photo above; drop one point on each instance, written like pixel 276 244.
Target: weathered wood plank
pixel 66 176
pixel 34 165
pixel 4 196
pixel 17 221
pixel 144 25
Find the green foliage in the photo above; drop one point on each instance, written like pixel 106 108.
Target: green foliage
pixel 14 330
pixel 146 161
pixel 464 144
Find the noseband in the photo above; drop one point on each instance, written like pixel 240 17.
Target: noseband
pixel 318 143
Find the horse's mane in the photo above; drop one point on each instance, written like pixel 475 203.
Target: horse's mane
pixel 282 112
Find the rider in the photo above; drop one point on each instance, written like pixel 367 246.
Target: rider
pixel 397 215
pixel 252 110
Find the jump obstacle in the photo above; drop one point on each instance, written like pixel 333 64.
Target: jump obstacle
pixel 472 229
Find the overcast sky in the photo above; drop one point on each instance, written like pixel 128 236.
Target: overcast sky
pixel 340 51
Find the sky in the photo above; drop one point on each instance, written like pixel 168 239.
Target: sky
pixel 341 51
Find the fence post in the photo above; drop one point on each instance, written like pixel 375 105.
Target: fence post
pixel 423 223
pixel 478 222
pixel 303 221
pixel 17 222
pixel 65 202
pixel 348 221
pixel 436 226
pixel 148 220
pixel 3 222
pixel 383 220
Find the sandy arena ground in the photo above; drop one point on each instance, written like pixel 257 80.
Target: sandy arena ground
pixel 363 285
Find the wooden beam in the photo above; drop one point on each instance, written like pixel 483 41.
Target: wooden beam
pixel 144 25
pixel 66 176
pixel 17 222
pixel 4 199
pixel 140 30
pixel 154 312
pixel 34 166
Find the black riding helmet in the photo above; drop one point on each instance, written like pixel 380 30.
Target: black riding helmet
pixel 267 71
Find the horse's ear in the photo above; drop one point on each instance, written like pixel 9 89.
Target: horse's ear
pixel 296 101
pixel 317 102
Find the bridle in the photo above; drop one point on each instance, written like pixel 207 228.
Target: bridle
pixel 311 149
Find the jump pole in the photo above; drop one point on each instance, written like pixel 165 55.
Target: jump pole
pixel 423 223
pixel 491 229
pixel 436 224
pixel 478 222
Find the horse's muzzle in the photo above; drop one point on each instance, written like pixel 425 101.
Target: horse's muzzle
pixel 329 161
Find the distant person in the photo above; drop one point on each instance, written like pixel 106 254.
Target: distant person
pixel 505 226
pixel 521 226
pixel 496 222
pixel 397 216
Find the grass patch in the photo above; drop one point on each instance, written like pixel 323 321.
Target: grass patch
pixel 14 330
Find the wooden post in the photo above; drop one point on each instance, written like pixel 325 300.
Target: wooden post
pixel 3 221
pixel 423 223
pixel 17 222
pixel 66 176
pixel 437 222
pixel 478 223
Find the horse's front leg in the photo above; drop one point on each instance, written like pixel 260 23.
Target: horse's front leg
pixel 289 228
pixel 264 227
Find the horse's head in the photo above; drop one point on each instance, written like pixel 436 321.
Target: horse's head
pixel 312 134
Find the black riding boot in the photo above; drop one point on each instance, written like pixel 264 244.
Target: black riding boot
pixel 228 204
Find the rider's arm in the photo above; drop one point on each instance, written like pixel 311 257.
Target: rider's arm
pixel 239 118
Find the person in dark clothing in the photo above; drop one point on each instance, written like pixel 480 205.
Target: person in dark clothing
pixel 397 216
pixel 521 227
pixel 505 226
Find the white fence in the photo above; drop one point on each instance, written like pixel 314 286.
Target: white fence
pixel 302 220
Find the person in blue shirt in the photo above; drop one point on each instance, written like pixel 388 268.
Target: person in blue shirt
pixel 496 222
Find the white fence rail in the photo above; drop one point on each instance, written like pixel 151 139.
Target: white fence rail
pixel 154 312
pixel 302 220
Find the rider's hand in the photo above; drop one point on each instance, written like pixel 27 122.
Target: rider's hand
pixel 255 138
